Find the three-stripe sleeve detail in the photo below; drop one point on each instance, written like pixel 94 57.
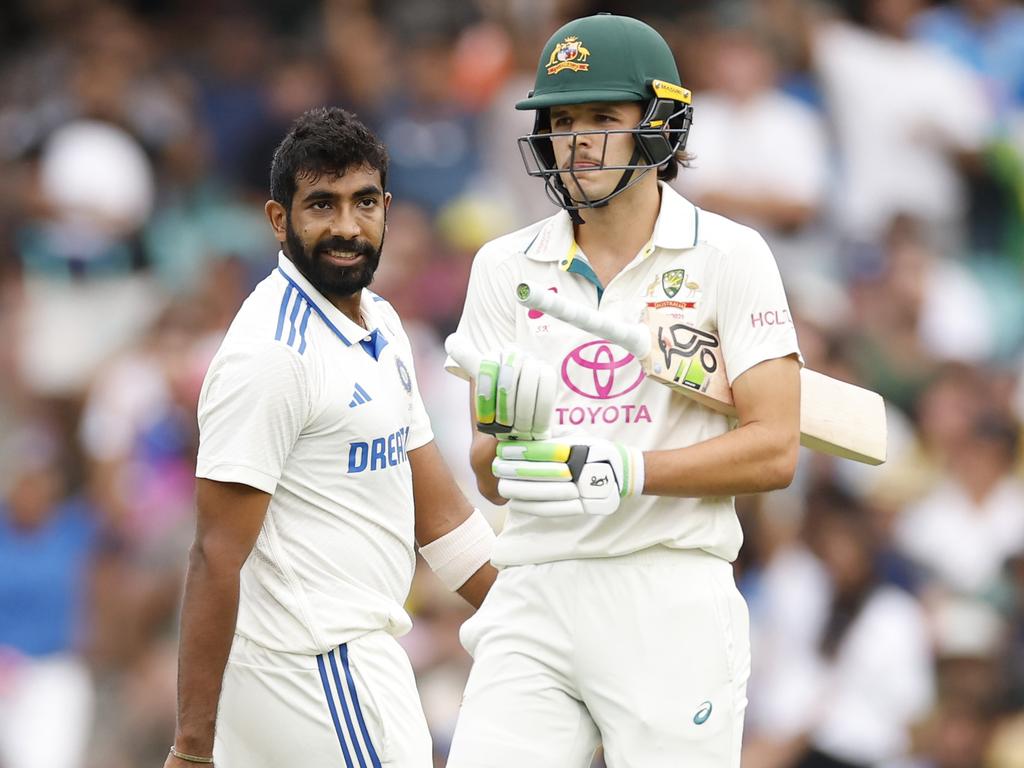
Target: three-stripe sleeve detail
pixel 291 305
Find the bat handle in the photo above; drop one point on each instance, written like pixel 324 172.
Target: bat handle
pixel 633 337
pixel 468 359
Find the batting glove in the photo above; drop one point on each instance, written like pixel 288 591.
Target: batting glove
pixel 580 476
pixel 515 395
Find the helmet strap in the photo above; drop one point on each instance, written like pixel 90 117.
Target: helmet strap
pixel 626 175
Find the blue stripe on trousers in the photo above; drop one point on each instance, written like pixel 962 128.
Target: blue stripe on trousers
pixel 334 711
pixel 344 707
pixel 355 702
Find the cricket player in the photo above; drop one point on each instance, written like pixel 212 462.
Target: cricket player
pixel 615 617
pixel 317 470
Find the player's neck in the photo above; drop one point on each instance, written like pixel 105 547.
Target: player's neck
pixel 349 306
pixel 614 234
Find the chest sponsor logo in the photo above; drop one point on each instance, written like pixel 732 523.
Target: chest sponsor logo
pixel 603 414
pixel 378 453
pixel 601 370
pixel 770 317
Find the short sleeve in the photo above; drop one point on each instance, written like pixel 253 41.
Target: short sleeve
pixel 254 403
pixel 420 431
pixel 754 321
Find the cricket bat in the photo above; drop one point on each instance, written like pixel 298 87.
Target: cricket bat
pixel 836 417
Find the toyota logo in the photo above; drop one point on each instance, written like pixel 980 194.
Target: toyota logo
pixel 601 370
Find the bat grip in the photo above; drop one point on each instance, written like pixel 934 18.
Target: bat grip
pixel 633 337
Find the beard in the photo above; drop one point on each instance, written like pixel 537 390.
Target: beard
pixel 329 278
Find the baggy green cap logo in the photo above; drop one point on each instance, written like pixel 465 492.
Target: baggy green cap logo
pixel 569 54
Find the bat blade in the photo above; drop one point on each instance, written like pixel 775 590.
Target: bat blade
pixel 836 417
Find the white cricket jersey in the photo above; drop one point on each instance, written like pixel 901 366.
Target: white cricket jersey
pixel 304 404
pixel 719 276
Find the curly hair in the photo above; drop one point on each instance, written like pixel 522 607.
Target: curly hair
pixel 323 140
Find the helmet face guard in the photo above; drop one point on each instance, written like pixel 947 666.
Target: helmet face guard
pixel 658 137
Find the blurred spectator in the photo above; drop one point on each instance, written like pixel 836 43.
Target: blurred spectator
pixel 82 256
pixel 957 735
pixel 944 413
pixel 963 532
pixel 431 136
pixel 898 150
pixel 987 36
pixel 760 155
pixel 48 541
pixel 362 51
pixel 902 293
pixel 233 95
pixel 851 669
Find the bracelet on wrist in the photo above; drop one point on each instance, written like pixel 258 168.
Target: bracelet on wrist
pixel 190 758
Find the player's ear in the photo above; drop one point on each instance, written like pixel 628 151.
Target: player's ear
pixel 278 217
pixel 387 202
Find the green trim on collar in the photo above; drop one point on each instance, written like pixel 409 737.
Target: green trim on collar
pixel 584 270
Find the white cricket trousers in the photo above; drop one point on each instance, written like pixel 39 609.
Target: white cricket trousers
pixel 354 707
pixel 647 653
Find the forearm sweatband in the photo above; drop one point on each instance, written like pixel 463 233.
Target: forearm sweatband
pixel 459 553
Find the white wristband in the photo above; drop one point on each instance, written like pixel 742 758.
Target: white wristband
pixel 459 553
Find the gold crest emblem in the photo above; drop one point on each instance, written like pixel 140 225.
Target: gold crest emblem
pixel 569 54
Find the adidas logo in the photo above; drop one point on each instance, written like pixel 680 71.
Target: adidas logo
pixel 359 396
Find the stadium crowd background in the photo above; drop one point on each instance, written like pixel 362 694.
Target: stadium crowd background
pixel 878 145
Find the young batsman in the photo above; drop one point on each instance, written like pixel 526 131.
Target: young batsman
pixel 317 470
pixel 615 617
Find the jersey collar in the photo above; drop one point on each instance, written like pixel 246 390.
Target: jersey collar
pixel 372 340
pixel 677 228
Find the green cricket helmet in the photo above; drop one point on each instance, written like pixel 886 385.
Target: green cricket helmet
pixel 607 58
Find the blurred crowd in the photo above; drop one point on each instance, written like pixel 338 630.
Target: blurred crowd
pixel 877 144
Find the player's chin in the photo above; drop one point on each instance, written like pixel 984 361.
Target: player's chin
pixel 588 185
pixel 347 280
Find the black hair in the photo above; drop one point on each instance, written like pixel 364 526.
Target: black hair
pixel 679 159
pixel 323 140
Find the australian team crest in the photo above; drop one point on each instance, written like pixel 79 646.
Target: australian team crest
pixel 403 374
pixel 672 281
pixel 569 54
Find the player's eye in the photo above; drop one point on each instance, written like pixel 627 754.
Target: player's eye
pixel 320 205
pixel 368 202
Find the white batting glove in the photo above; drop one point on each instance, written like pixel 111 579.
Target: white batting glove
pixel 515 395
pixel 572 476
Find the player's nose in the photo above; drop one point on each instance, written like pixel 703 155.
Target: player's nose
pixel 345 224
